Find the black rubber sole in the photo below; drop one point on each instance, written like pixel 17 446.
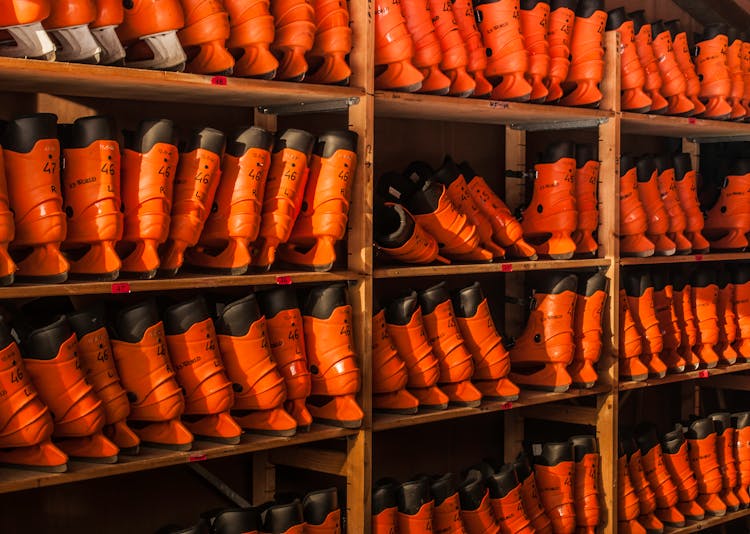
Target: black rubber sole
pixel 341 424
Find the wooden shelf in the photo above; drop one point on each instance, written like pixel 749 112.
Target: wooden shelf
pixel 527 398
pixel 100 81
pixel 689 258
pixel 522 116
pixel 683 377
pixel 149 458
pixel 696 526
pixel 698 129
pixel 187 281
pixel 484 268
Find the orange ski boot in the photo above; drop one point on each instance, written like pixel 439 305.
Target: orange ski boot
pixel 725 440
pixel 592 294
pixel 658 476
pixel 628 506
pixel 463 12
pixel 26 423
pixel 586 56
pixel 551 217
pixel 195 356
pixel 333 43
pixel 630 345
pixel 259 390
pixel 284 194
pixel 327 322
pixel 728 221
pixel 399 237
pixel 587 202
pixel 645 51
pixel 561 20
pixel 95 353
pixel 21 29
pixel 705 293
pixel 646 497
pixel 530 495
pixel 745 62
pixel 156 401
pixel 287 341
pixel 669 323
pixel 234 219
pixel 506 230
pixel 541 354
pixel 683 307
pixel 149 34
pixel 476 510
pixel 204 37
pixel 712 67
pixel 427 51
pixel 456 365
pixel 92 206
pixel 405 325
pixel 586 489
pixel 633 219
pixel 68 26
pixel 491 360
pixel 674 84
pixel 446 516
pixel 675 454
pixel 384 506
pixel 32 167
pixel 640 292
pixel 454 56
pixel 727 320
pixel 7 229
pixel 686 184
pixel 389 372
pixel 632 75
pixel 656 213
pixel 452 178
pixel 734 63
pixel 109 15
pixel 741 424
pixel 506 502
pixel 394 50
pixel 251 33
pixel 415 507
pixel 555 471
pixel 671 200
pixel 198 175
pixel 702 447
pixel 507 59
pixel 49 354
pixel 741 303
pixel 294 36
pixel 325 208
pixel 534 16
pixel 685 61
pixel 321 512
pixel 149 162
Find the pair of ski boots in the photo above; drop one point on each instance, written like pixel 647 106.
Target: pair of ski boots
pixel 563 336
pixel 565 200
pixel 728 220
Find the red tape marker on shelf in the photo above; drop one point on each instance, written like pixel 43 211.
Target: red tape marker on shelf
pixel 506 267
pixel 703 374
pixel 283 280
pixel 197 457
pixel 219 80
pixel 120 287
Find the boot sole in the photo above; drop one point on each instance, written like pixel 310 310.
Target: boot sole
pixel 341 424
pixel 397 411
pixel 148 275
pixel 219 271
pixel 167 273
pixel 583 385
pixel 715 514
pixel 511 398
pixel 276 433
pixel 42 468
pixel 644 109
pixel 635 378
pixel 7 280
pixel 130 451
pixel 407 88
pixel 668 252
pixel 52 279
pixel 645 254
pixel 566 256
pixel 433 407
pixel 709 365
pixel 310 268
pixel 551 389
pixel 214 439
pixel 657 375
pixel 684 252
pixel 676 370
pixel 468 404
pixel 168 446
pixel 98 277
pixel 97 460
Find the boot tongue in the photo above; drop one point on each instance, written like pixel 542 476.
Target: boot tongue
pixel 393 225
pixel 636 283
pixel 528 5
pixel 277 300
pixel 236 520
pixel 660 279
pixel 23 133
pixel 401 310
pixel 151 132
pixel 467 171
pixel 448 173
pixel 207 139
pixel 522 467
pixel 672 441
pixel 6 338
pixel 443 487
pixel 663 163
pixel 639 19
pixel 466 301
pixel 627 162
pixel 234 319
pixel 710 31
pixel 585 152
pixel 741 420
pixel 646 437
pixel 321 301
pixel 616 18
pixel 502 482
pixel 701 428
pixel 87 321
pixel 472 490
pixel 586 8
pixel 384 495
pixel 741 273
pixel 180 317
pixel 44 343
pixel 558 151
pixel 556 283
pixel 657 28
pixel 583 445
pixel 433 296
pixel 568 4
pixel 318 504
pixel 682 165
pixel 554 453
pixel 628 445
pixel 252 137
pixel 646 168
pixel 723 279
pixel 592 284
pixel 426 199
pixel 86 130
pixel 413 495
pixel 329 142
pixel 722 421
pixel 294 139
pixel 396 187
pixel 674 27
pixel 703 278
pixel 739 167
pixel 282 517
pixel 131 323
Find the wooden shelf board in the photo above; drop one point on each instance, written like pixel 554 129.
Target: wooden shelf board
pixel 149 458
pixel 683 377
pixel 446 108
pixel 527 398
pixel 480 268
pixel 690 258
pixel 662 125
pixel 187 281
pixel 100 81
pixel 697 526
